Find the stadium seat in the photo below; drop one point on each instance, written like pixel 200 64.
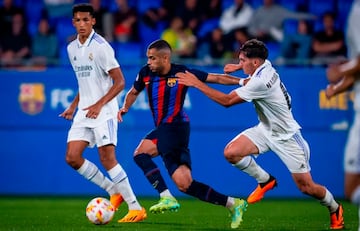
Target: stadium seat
pixel 206 27
pixel 343 9
pixel 64 29
pixel 144 5
pixel 319 7
pixel 128 53
pixel 290 26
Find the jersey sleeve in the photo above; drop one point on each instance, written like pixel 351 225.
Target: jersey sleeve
pixel 254 89
pixel 201 75
pixel 107 59
pixel 139 83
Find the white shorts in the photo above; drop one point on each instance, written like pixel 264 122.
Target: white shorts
pixel 101 135
pixel 294 152
pixel 352 148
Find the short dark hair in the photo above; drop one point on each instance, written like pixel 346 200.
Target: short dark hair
pixel 159 44
pixel 254 48
pixel 83 7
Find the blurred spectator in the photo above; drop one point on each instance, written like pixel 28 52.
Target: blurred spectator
pixel 210 9
pixel 59 8
pixel 267 21
pixel 238 15
pixel 15 46
pixel 190 13
pixel 217 48
pixel 7 11
pixel 104 25
pixel 296 47
pixel 240 36
pixel 180 38
pixel 44 48
pixel 328 43
pixel 153 17
pixel 125 22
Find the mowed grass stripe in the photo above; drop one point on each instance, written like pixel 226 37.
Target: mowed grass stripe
pixel 68 213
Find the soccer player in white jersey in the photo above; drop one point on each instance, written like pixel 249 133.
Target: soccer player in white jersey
pixel 100 80
pixel 277 129
pixel 342 78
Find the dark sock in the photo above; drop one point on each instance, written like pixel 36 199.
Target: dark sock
pixel 206 193
pixel 151 171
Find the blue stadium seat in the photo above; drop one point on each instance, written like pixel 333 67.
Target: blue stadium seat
pixel 319 7
pixel 144 5
pixel 207 27
pixel 290 26
pixel 343 9
pixel 128 53
pixel 64 29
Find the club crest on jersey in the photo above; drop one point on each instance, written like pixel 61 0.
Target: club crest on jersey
pixel 91 57
pixel 32 98
pixel 171 82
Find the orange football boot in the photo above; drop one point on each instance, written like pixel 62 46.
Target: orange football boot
pixel 337 218
pixel 261 189
pixel 134 216
pixel 116 200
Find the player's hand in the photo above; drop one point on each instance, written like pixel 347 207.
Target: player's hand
pixel 93 111
pixel 230 68
pixel 120 114
pixel 187 78
pixel 330 91
pixel 333 74
pixel 68 114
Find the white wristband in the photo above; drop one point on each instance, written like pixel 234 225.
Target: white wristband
pixel 241 82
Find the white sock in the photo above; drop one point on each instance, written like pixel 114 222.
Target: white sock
pixel 166 193
pixel 329 202
pixel 249 165
pixel 355 197
pixel 92 173
pixel 120 179
pixel 230 202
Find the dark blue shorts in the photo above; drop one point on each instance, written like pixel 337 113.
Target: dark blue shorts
pixel 172 142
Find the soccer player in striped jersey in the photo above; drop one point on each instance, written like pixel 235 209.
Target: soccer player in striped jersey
pixel 277 129
pixel 100 80
pixel 170 137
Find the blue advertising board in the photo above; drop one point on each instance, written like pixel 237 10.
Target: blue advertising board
pixel 33 137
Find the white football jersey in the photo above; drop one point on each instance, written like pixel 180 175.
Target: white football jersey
pixel 353 43
pixel 91 62
pixel 272 102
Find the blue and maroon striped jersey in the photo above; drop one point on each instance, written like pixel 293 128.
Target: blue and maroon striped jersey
pixel 166 96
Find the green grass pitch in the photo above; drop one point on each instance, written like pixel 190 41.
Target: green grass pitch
pixel 68 213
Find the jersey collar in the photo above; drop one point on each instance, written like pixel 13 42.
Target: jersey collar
pixel 88 40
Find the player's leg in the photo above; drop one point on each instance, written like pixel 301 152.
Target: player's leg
pixel 183 179
pixel 352 164
pixel 78 140
pixel 146 150
pixel 238 152
pixel 295 154
pixel 106 139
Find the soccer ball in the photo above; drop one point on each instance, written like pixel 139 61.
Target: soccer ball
pixel 100 211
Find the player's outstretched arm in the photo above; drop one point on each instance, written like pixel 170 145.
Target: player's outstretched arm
pixel 221 98
pixel 224 79
pixel 335 73
pixel 232 67
pixel 343 85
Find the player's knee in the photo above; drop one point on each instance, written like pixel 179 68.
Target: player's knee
pixel 73 160
pixel 231 156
